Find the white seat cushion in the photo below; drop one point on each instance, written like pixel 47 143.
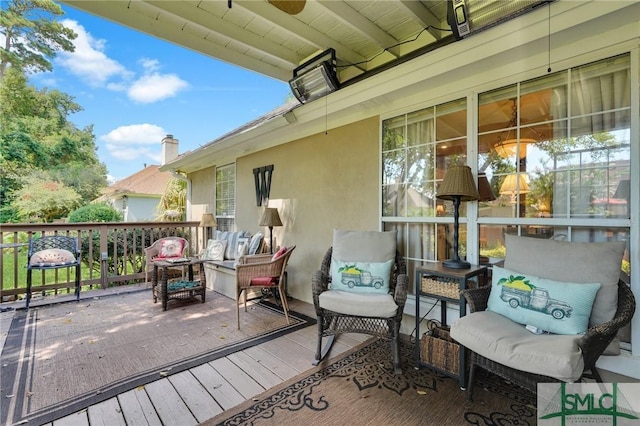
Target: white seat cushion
pixel 358 304
pixel 498 338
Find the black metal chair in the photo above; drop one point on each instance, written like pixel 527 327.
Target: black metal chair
pixel 53 252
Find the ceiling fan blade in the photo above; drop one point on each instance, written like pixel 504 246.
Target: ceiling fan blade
pixel 292 7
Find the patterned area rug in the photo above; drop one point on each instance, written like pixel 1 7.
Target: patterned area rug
pixel 361 389
pixel 61 358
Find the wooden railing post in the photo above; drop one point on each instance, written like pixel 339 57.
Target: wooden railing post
pixel 104 256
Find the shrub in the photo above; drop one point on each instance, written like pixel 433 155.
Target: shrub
pixel 100 212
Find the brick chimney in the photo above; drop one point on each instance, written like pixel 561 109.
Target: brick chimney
pixel 169 149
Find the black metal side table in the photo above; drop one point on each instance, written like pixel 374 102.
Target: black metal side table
pixel 444 285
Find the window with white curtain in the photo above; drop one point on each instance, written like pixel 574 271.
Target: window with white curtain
pixel 225 197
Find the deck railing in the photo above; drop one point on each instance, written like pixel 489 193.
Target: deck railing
pixel 112 254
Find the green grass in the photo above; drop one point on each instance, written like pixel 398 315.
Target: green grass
pixel 9 274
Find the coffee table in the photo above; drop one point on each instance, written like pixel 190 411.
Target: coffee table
pixel 179 290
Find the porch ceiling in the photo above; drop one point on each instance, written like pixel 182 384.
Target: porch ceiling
pixel 259 36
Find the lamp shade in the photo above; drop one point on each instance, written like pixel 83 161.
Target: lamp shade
pixel 484 188
pixel 515 182
pixel 208 220
pixel 458 183
pixel 623 191
pixel 270 217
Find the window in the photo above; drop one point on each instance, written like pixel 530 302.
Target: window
pixel 416 150
pixel 556 152
pixel 225 197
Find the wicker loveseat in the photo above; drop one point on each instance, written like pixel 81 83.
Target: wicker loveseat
pixel 507 348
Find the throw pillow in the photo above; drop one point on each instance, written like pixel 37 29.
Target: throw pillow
pixel 552 306
pixel 52 257
pixel 170 247
pixel 242 246
pixel 594 262
pixel 215 250
pixel 279 253
pixel 364 246
pixel 361 277
pixel 255 244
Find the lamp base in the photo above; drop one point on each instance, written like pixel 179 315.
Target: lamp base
pixel 456 264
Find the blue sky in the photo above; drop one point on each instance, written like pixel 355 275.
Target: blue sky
pixel 135 89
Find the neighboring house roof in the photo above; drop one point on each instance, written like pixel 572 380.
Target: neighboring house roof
pixel 147 182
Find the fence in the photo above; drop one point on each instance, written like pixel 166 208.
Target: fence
pixel 112 253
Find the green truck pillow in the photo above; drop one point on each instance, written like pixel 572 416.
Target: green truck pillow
pixel 551 306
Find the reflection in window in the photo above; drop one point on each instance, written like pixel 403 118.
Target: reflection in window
pixel 416 149
pixel 559 146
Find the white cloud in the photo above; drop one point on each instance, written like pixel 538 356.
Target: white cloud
pixel 135 142
pixel 88 61
pixel 130 153
pixel 135 134
pixel 149 64
pixel 155 87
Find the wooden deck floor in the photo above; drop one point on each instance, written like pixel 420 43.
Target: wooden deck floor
pixel 195 395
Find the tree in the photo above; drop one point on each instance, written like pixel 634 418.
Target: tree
pixel 38 141
pixel 32 36
pixel 172 207
pixel 42 200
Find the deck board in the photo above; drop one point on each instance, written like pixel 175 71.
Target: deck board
pixel 222 391
pixel 198 400
pixel 171 409
pixel 106 413
pixel 138 409
pixel 76 419
pixel 240 380
pixel 279 367
pixel 256 369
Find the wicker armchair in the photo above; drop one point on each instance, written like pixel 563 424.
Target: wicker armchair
pixel 331 324
pixel 262 271
pixel 53 252
pixel 153 252
pixel 592 344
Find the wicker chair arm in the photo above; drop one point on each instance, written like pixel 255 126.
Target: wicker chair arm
pixel 402 287
pixel 594 342
pixel 256 258
pixel 477 298
pixel 319 283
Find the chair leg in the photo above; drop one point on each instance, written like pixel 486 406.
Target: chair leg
pixel 472 374
pixel 285 305
pixel 321 352
pixel 238 307
pixel 28 298
pixel 77 282
pixel 395 348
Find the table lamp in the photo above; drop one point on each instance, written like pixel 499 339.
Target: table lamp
pixel 207 221
pixel 458 185
pixel 270 218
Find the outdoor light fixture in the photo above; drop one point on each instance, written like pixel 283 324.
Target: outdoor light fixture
pixel 315 78
pixel 270 218
pixel 458 185
pixel 469 16
pixel 506 147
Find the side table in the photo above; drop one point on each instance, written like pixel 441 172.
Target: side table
pixel 444 284
pixel 183 289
